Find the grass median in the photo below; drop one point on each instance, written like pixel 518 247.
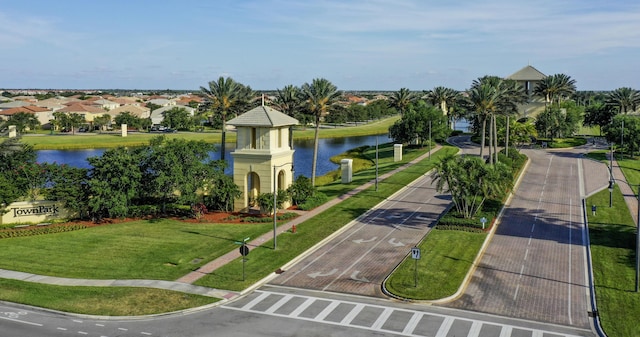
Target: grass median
pixel 612 234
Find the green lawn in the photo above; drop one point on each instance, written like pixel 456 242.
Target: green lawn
pixel 65 141
pixel 160 249
pixel 612 234
pixel 108 301
pixel 441 268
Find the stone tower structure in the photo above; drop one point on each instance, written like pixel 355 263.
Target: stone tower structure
pixel 263 159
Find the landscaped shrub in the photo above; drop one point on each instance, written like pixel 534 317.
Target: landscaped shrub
pixel 39 230
pixel 142 211
pixel 314 201
pixel 300 190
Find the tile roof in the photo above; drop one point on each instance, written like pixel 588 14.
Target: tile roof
pixel 77 107
pixel 527 73
pixel 263 116
pixel 28 109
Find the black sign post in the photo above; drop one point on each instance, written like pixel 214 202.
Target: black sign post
pixel 244 251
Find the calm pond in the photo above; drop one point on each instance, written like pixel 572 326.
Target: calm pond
pixel 302 158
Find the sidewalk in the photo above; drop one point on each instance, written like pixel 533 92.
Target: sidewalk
pixel 184 284
pixel 630 196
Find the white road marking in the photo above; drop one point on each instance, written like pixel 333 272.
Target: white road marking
pixel 82 333
pixel 515 294
pixel 324 313
pixel 280 303
pixel 352 314
pixel 98 324
pixel 506 331
pixel 123 329
pixel 255 301
pixel 145 333
pixel 20 321
pixel 526 253
pixel 61 329
pixel 302 307
pixel 444 327
pixel 521 270
pixel 411 325
pixel 384 316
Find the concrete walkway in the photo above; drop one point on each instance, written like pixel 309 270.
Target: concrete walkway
pixel 184 284
pixel 630 195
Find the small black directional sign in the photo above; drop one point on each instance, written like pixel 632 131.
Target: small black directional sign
pixel 244 250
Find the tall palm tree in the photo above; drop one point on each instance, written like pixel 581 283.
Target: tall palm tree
pixel 317 98
pixel 445 99
pixel 513 95
pixel 555 88
pixel 401 99
pixel 226 95
pixel 484 96
pixel 288 100
pixel 624 99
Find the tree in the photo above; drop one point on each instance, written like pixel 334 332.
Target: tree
pixel 317 98
pixel 69 185
pixel 522 131
pixel 178 118
pixel 444 98
pixel 470 182
pixel 401 100
pixel 288 100
pixel 102 121
pixel 114 182
pixel 127 118
pixel 220 189
pixel 61 121
pixel 24 121
pixel 75 120
pixel 598 114
pixel 555 88
pixel 624 99
pixel 414 125
pixel 225 95
pixel 14 158
pixel 174 169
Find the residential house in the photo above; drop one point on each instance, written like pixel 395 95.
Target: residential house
pixel 44 115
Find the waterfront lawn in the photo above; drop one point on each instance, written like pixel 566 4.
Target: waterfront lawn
pixel 612 235
pixel 262 262
pixel 107 301
pixel 146 249
pixel 441 268
pixel 59 141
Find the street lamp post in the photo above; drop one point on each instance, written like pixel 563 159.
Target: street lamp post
pixel 275 202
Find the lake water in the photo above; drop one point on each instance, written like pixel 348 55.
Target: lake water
pixel 302 158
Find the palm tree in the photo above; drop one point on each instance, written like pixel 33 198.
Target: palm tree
pixel 401 100
pixel 484 98
pixel 445 99
pixel 624 99
pixel 318 98
pixel 555 88
pixel 226 95
pixel 288 100
pixel 513 95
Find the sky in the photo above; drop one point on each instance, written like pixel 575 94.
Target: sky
pixel 355 44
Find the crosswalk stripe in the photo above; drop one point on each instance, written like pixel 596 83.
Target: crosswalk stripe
pixel 475 329
pixel 413 322
pixel 382 319
pixel 324 313
pixel 444 327
pixel 302 307
pixel 278 304
pixel 506 331
pixel 255 301
pixel 352 314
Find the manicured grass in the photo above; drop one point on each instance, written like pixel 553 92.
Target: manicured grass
pixel 612 234
pixel 447 256
pixel 64 141
pixel 161 249
pixel 107 301
pixel 262 262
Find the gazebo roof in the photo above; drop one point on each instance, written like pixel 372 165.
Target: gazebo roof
pixel 527 73
pixel 263 116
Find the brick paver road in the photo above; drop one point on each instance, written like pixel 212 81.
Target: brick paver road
pixel 358 260
pixel 535 266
